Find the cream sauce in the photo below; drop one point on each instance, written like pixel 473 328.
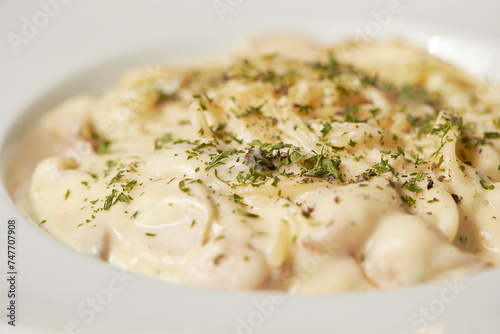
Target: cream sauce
pixel 310 172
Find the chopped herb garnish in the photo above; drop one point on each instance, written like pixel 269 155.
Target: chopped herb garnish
pixel 237 198
pixel 491 135
pixel 275 181
pixel 182 186
pixel 110 163
pixel 201 102
pixel 307 213
pixel 110 199
pixel 163 140
pixel 129 186
pixel 331 69
pixel 326 128
pixel 366 80
pixel 206 96
pixel 123 198
pixel 400 152
pixel 296 157
pixel 419 176
pixel 252 111
pixel 408 200
pixel 415 93
pixel 350 115
pixel 67 194
pixel 444 128
pixel 216 159
pixel 246 213
pixel 103 146
pixel 375 112
pixel 333 168
pixel 490 187
pixel 117 177
pixel 304 109
pixel 94 176
pixel 218 178
pixel 411 187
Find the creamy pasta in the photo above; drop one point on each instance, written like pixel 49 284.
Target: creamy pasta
pixel 291 167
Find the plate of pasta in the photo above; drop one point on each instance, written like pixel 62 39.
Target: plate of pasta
pixel 287 175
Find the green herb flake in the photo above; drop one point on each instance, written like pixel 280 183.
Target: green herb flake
pixel 94 176
pixel 252 111
pixel 408 200
pixel 110 163
pixel 399 153
pixel 220 179
pixel 366 80
pixel 163 140
pixel 375 112
pixel 129 186
pixel 117 177
pixel 332 166
pixel 236 198
pixel 411 187
pixel 326 128
pixel 490 187
pixel 182 186
pixel 123 198
pixel 275 181
pixel 491 135
pixel 103 146
pixel 110 199
pixel 304 109
pixel 350 115
pixel 220 237
pixel 296 157
pixel 246 213
pixel 216 159
pixel 67 194
pixel 331 69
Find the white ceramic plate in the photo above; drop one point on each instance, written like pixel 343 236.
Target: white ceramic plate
pixel 61 291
